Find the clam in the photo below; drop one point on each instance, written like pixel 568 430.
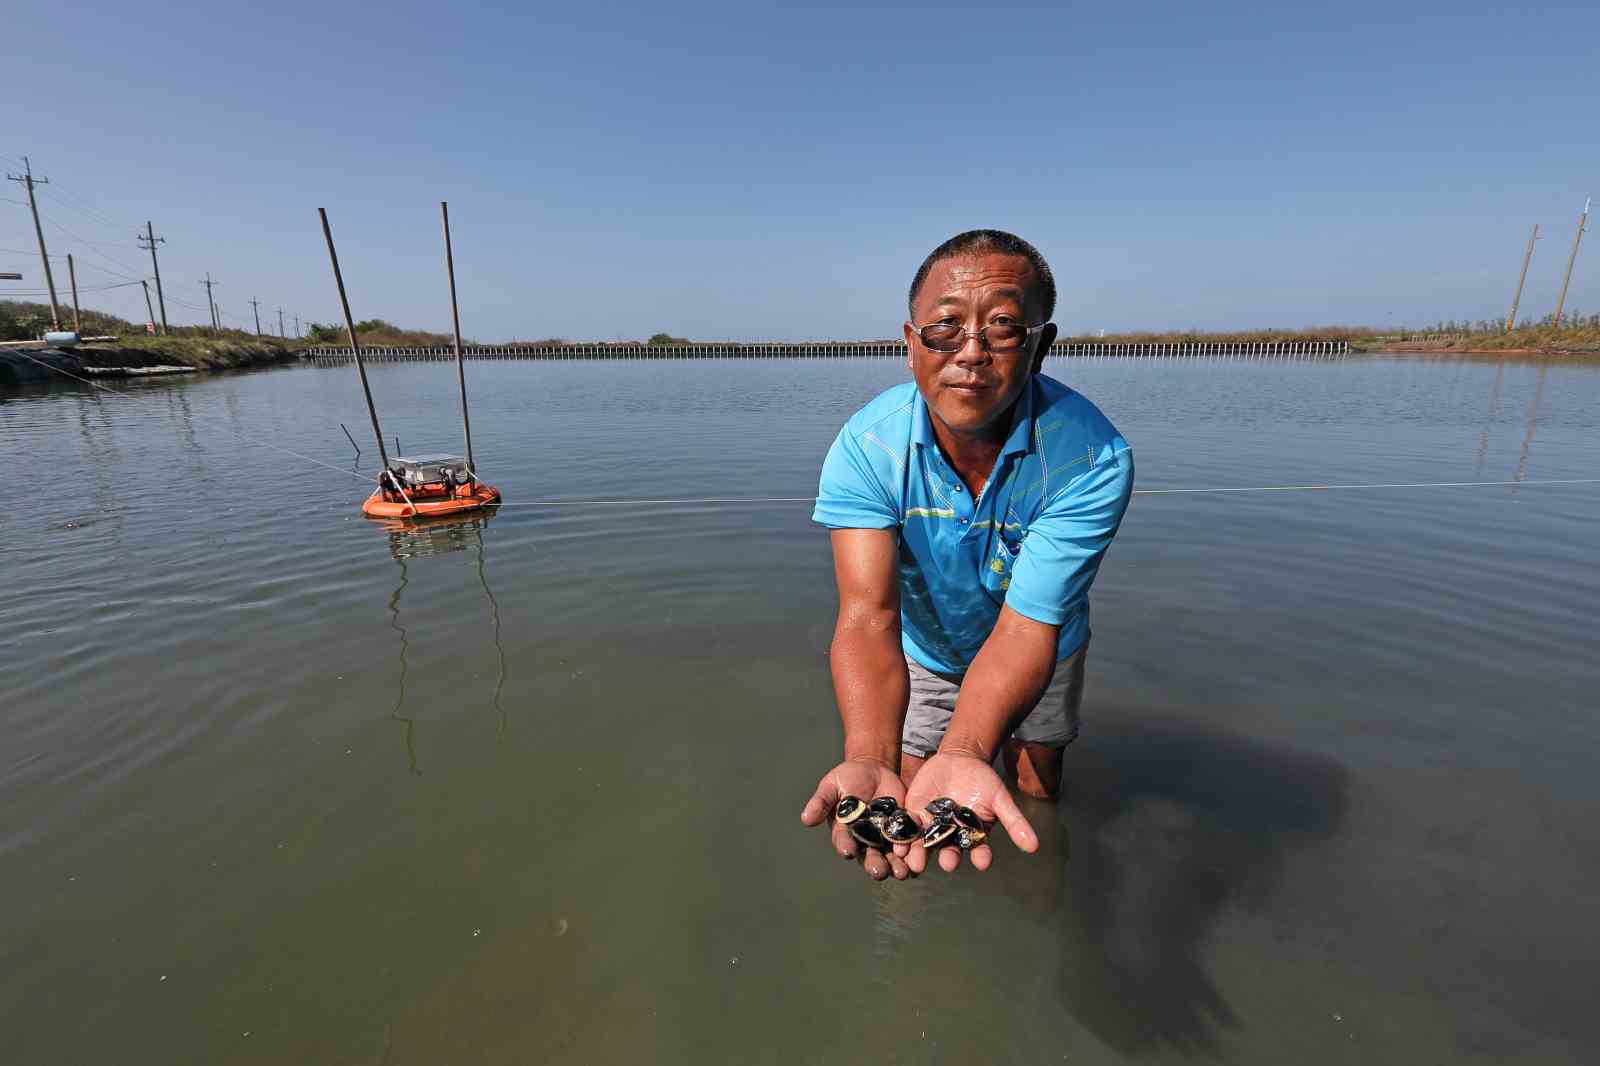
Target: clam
pixel 863 830
pixel 849 809
pixel 967 839
pixel 883 806
pixel 901 828
pixel 943 807
pixel 939 833
pixel 967 818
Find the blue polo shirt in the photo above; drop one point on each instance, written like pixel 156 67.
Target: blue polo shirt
pixel 1032 540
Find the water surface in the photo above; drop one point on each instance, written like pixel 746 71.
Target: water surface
pixel 282 784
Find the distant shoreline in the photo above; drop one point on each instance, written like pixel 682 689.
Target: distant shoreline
pixel 25 364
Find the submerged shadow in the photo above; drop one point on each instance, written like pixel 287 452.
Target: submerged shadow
pixel 1172 821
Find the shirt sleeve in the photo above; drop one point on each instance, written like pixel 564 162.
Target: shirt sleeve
pixel 1064 546
pixel 851 495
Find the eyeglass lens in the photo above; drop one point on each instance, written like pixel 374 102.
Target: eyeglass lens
pixel 947 337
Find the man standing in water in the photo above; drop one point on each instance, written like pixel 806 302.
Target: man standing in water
pixel 968 511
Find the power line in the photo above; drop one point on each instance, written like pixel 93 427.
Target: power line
pixel 78 205
pixel 81 288
pixel 93 246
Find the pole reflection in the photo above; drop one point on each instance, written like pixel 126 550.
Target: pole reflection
pixel 1494 412
pixel 1533 422
pixel 418 539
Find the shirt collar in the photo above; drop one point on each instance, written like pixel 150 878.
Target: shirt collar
pixel 1017 442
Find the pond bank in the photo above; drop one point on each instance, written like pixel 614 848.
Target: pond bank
pixel 26 364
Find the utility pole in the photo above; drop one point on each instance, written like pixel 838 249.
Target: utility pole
pixel 213 303
pixel 29 181
pixel 72 273
pixel 147 307
pixel 280 322
pixel 1511 319
pixel 297 326
pixel 255 306
pixel 148 239
pixel 1583 220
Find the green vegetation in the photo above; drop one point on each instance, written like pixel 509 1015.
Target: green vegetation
pixel 376 331
pixel 209 349
pixel 196 346
pixel 1248 336
pixel 1578 333
pixel 21 321
pixel 667 338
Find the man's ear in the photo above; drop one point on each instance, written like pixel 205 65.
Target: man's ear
pixel 1047 337
pixel 905 331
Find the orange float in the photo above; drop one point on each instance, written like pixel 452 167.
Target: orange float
pixel 419 486
pixel 430 501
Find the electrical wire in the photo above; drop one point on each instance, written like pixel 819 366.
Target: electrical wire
pixel 74 203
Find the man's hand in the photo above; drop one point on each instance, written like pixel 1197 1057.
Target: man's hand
pixel 866 779
pixel 971 782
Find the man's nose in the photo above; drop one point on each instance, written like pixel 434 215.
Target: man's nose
pixel 972 351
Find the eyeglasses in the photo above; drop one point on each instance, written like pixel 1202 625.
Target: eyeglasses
pixel 1001 338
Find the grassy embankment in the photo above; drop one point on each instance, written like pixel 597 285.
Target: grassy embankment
pixel 188 346
pixel 1580 334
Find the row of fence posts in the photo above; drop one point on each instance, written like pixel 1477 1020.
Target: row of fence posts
pixel 1300 349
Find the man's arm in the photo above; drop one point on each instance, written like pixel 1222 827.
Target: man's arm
pixel 870 682
pixel 1003 684
pixel 1059 560
pixel 871 687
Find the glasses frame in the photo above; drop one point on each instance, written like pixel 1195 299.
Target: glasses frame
pixel 979 333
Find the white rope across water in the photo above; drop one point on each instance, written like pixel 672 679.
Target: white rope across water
pixel 754 501
pixel 1384 485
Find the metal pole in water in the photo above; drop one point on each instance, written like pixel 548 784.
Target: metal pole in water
pixel 1527 257
pixel 455 323
pixel 355 345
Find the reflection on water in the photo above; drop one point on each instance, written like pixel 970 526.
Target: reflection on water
pixel 1494 412
pixel 400 673
pixel 1533 421
pixel 415 538
pixel 411 539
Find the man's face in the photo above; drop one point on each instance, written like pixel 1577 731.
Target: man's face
pixel 971 390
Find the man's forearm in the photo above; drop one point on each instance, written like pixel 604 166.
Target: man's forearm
pixel 1005 681
pixel 871 686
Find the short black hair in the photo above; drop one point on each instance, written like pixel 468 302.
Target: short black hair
pixel 987 241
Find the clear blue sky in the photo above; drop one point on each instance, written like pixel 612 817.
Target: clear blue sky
pixel 761 170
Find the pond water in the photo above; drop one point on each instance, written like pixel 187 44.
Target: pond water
pixel 284 785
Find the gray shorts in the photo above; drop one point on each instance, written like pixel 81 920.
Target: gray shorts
pixel 1053 720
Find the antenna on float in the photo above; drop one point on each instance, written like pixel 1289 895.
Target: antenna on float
pixel 455 322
